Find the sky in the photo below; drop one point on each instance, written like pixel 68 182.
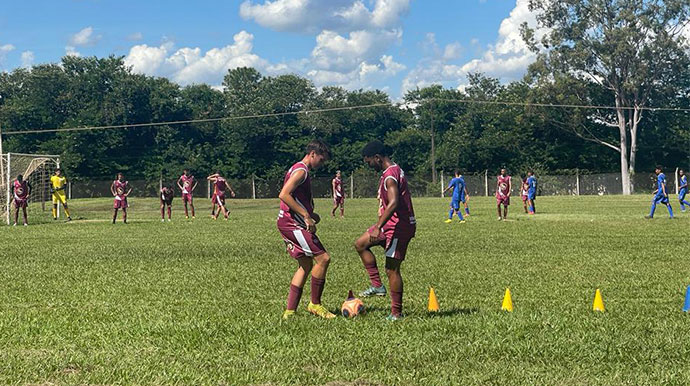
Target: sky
pixel 393 45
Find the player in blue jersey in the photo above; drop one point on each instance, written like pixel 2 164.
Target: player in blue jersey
pixel 531 191
pixel 683 190
pixel 660 194
pixel 459 195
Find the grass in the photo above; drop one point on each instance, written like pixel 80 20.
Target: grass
pixel 199 302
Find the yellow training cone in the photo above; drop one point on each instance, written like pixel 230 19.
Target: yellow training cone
pixel 433 302
pixel 598 304
pixel 507 301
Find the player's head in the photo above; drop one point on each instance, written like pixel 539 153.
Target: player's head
pixel 681 172
pixel 337 173
pixel 20 178
pixel 185 172
pixel 120 176
pixel 374 153
pixel 58 172
pixel 530 173
pixel 658 169
pixel 457 172
pixel 503 172
pixel 318 153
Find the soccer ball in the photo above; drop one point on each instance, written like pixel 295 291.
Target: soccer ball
pixel 352 307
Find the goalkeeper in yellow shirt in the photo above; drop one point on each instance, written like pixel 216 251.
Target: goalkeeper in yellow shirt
pixel 58 182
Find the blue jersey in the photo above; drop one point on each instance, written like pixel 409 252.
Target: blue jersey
pixel 532 183
pixel 458 184
pixel 660 183
pixel 683 182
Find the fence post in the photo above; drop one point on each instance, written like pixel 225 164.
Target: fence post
pixel 253 188
pixel 160 182
pixel 442 195
pixel 208 189
pixel 69 190
pixel 9 191
pixel 486 182
pixel 577 181
pixel 676 175
pixel 352 186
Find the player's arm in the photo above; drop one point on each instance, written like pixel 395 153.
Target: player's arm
pixel 128 192
pixel 663 189
pixel 28 185
pixel 178 183
pixel 333 187
pixel 112 189
pixel 393 201
pixel 685 185
pixel 232 192
pixel 193 186
pixel 296 178
pixel 467 194
pixel 510 186
pixel 212 177
pixel 450 186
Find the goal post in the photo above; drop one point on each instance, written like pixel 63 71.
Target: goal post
pixel 36 169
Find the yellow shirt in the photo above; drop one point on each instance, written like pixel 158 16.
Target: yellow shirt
pixel 58 182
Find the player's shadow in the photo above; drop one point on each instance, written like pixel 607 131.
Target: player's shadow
pixel 453 312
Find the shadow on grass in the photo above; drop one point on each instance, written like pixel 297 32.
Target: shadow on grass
pixel 452 312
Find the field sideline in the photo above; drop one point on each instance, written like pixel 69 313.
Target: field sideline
pixel 199 302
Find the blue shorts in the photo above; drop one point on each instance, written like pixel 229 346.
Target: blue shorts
pixel 681 194
pixel 659 198
pixel 455 204
pixel 531 195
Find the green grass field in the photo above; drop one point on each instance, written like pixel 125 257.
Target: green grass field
pixel 199 302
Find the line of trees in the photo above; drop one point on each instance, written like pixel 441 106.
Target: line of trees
pixel 594 52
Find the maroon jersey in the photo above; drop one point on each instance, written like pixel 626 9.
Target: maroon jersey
pixel 187 184
pixel 402 221
pixel 338 187
pixel 219 186
pixel 503 186
pixel 302 195
pixel 120 188
pixel 166 194
pixel 21 190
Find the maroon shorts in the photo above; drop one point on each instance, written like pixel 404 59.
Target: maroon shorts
pixel 339 200
pixel 300 243
pixel 505 200
pixel 186 197
pixel 120 204
pixel 219 199
pixel 394 244
pixel 166 202
pixel 20 203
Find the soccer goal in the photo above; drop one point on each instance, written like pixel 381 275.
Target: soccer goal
pixel 36 169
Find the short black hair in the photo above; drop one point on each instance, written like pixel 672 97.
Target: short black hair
pixel 659 167
pixel 375 147
pixel 319 147
pixel 20 177
pixel 120 174
pixel 457 172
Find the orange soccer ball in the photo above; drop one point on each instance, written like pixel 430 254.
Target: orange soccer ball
pixel 352 307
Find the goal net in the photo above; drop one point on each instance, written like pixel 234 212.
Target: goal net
pixel 36 169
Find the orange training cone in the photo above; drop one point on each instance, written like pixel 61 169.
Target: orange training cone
pixel 433 301
pixel 598 304
pixel 507 301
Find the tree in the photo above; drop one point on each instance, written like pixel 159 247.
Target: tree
pixel 633 49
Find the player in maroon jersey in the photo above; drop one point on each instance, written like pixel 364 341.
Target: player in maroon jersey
pixel 220 185
pixel 503 187
pixel 338 195
pixel 120 190
pixel 187 183
pixel 297 225
pixel 21 190
pixel 395 227
pixel 166 196
pixel 523 193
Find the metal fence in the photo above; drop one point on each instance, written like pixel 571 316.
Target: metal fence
pixel 365 184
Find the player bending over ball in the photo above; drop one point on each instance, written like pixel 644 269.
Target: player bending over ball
pixel 338 195
pixel 120 190
pixel 531 191
pixel 58 182
pixel 503 188
pixel 459 193
pixel 220 184
pixel 167 195
pixel 297 225
pixel 683 190
pixel 395 227
pixel 21 190
pixel 660 194
pixel 187 183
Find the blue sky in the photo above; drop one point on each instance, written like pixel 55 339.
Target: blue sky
pixel 394 45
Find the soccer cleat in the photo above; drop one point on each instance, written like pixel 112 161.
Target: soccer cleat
pixel 320 310
pixel 69 218
pixel 169 220
pixel 15 224
pixel 193 217
pixel 462 221
pixel 162 220
pixel 54 218
pixel 373 291
pixel 287 314
pixel 500 218
pixel 448 221
pixel 648 217
pixel 187 217
pixel 394 318
pixel 26 225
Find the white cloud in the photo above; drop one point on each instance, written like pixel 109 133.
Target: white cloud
pixel 83 38
pixel 189 65
pixel 506 60
pixel 4 50
pixel 313 16
pixel 338 53
pixel 135 37
pixel 366 75
pixel 71 51
pixel 27 59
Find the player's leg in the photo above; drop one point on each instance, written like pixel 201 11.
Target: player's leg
pixel 304 267
pixel 668 206
pixel 318 278
pixel 162 210
pixel 498 208
pixel 458 212
pixel 505 211
pixel 64 206
pixel 467 207
pixel 124 215
pixel 653 208
pixel 395 282
pixel 114 215
pixel 170 211
pixel 363 247
pixel 16 213
pixel 26 219
pixel 524 204
pixel 533 205
pixel 335 207
pixel 184 203
pixel 191 204
pixel 450 214
pixel 342 208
